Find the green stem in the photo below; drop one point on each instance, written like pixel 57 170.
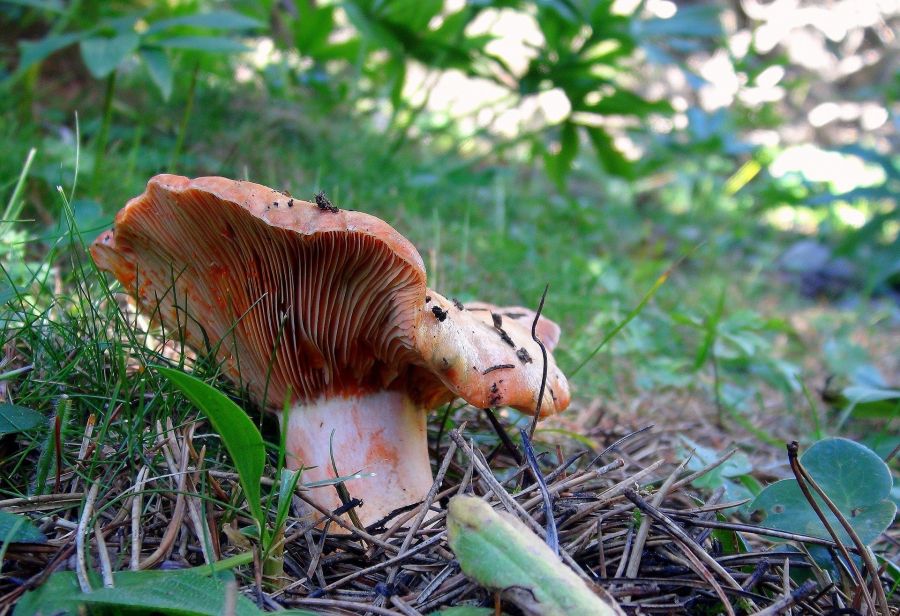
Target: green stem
pixel 273 562
pixel 103 135
pixel 185 118
pixel 226 563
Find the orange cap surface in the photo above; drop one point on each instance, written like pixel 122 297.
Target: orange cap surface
pixel 300 302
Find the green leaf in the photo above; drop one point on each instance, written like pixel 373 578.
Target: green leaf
pixel 623 102
pixel 312 27
pixel 610 158
pixel 103 54
pixel 15 419
pixel 286 488
pixel 560 164
pixel 413 15
pixel 184 593
pixel 33 52
pixel 51 6
pixel 501 553
pixel 214 20
pixel 864 400
pixel 19 529
pixel 241 438
pixel 209 44
pixel 854 478
pixel 160 68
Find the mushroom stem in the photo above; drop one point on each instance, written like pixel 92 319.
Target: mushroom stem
pixel 382 433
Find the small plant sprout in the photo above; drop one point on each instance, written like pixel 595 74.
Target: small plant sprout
pixel 330 311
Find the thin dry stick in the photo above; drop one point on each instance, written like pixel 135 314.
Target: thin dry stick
pixel 81 569
pixel 686 480
pixel 507 501
pixel 619 442
pixel 404 607
pixel 82 451
pixel 534 336
pixel 552 534
pixel 360 533
pixel 424 508
pixel 436 582
pixel 355 606
pixel 168 538
pixel 750 529
pixel 392 561
pixel 783 605
pixel 614 492
pixel 40 502
pixel 626 550
pixel 178 456
pixel 800 472
pixel 682 537
pixel 634 561
pixel 105 565
pixel 137 504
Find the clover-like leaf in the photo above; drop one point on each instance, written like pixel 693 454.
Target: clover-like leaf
pixel 854 478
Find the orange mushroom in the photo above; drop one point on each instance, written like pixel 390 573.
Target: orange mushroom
pixel 327 311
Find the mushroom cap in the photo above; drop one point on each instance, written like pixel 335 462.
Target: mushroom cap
pixel 300 302
pixel 489 360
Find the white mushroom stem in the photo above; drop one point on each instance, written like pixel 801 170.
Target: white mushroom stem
pixel 382 433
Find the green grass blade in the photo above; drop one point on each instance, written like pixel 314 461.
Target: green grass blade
pixel 15 204
pixel 629 317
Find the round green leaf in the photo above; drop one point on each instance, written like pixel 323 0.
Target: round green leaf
pixel 19 529
pixel 855 479
pixel 15 418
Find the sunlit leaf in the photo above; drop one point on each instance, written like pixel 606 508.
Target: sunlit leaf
pixel 610 158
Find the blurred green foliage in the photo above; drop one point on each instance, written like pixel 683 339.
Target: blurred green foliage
pixel 312 95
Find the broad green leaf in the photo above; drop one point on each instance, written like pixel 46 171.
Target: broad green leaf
pixel 15 419
pixel 559 164
pixel 210 44
pixel 35 51
pixel 7 292
pixel 103 54
pixel 413 15
pixel 160 68
pixel 611 158
pixel 214 20
pixel 312 27
pixel 241 438
pixel 854 478
pixel 501 553
pixel 182 593
pixel 52 6
pixel 623 102
pixel 18 529
pixel 867 401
